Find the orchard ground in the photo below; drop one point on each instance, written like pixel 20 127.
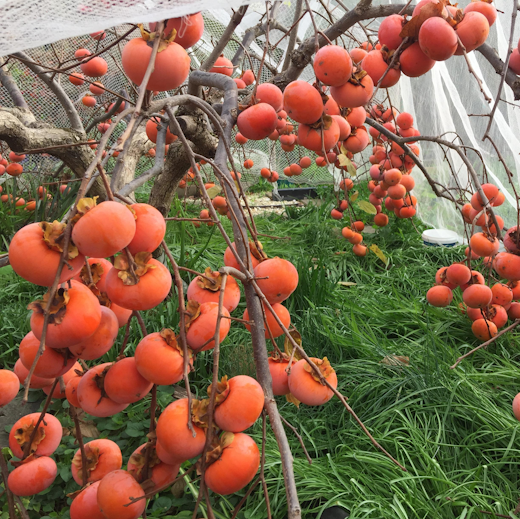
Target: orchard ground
pixel 453 430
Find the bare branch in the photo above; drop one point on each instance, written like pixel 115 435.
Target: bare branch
pixel 12 88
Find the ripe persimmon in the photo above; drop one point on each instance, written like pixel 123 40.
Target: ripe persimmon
pixel 122 314
pixel 389 31
pixel 488 10
pixel 458 274
pixel 172 65
pixel 204 290
pixel 161 473
pixel 437 39
pixel 46 439
pixel 151 129
pixel 222 66
pixel 332 65
pixel 52 362
pixel 439 295
pixel 97 344
pixel 76 78
pixel 484 244
pixel 507 265
pixel 302 102
pixel 237 463
pixel 173 434
pixel 270 322
pixel 484 329
pixel 270 94
pixel 257 121
pixel 35 251
pixel 36 382
pixel 202 329
pixel 381 219
pixel 281 279
pixel 477 296
pixel 99 268
pixel 353 93
pixel 94 67
pixel 103 456
pixel 114 493
pixel 91 395
pixel 77 316
pixel 103 229
pixel 152 288
pixel 189 29
pixel 85 505
pixel 305 384
pixel 239 403
pixel 360 250
pixel 159 358
pixel 124 384
pixel 502 294
pixel 278 368
pixel 71 391
pixel 32 477
pixel 9 386
pixel 149 230
pixel 472 31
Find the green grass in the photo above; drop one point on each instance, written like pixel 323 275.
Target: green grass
pixel 452 429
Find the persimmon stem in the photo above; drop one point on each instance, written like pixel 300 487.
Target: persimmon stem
pixel 5 474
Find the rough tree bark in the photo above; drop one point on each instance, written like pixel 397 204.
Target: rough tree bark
pixel 177 161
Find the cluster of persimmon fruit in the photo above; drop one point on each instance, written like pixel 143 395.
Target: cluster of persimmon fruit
pixel 109 273
pixel 488 305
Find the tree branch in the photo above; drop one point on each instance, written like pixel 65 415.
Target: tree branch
pixel 57 90
pixel 12 88
pixel 302 56
pixel 494 60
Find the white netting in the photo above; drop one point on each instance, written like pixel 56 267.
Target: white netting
pixel 440 101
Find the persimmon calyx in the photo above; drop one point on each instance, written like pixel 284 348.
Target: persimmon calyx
pixel 222 390
pixel 324 366
pixel 150 36
pixel 57 308
pixel 54 235
pixel 92 457
pixel 257 251
pixel 23 434
pixel 138 459
pixel 131 272
pixel 191 312
pixel 212 281
pixel 356 77
pixel 218 444
pixel 171 340
pixel 199 412
pixel 96 271
pixel 279 357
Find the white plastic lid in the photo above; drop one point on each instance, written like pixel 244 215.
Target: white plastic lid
pixel 441 236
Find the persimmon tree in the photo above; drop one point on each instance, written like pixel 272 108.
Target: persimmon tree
pixel 97 263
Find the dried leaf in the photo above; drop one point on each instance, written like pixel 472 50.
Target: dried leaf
pixel 367 207
pixel 214 191
pixel 396 360
pixel 287 344
pixel 343 159
pixel 379 253
pixel 347 283
pixel 191 312
pixel 257 251
pixel 411 29
pixel 354 196
pixel 292 400
pixel 177 489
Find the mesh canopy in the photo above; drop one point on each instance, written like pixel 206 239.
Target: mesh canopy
pixel 440 101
